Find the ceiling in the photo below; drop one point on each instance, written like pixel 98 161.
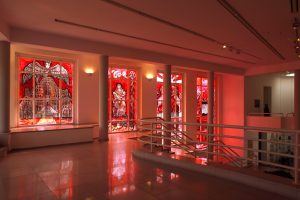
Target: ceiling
pixel 193 29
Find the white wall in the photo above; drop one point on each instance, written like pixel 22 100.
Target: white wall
pixel 282 93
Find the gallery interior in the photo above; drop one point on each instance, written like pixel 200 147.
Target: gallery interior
pixel 138 97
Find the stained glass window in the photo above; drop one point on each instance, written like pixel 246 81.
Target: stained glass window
pixel 176 96
pixel 122 100
pixel 202 105
pixel 202 102
pixel 45 92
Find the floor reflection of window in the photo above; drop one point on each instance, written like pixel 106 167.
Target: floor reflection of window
pixel 45 92
pixel 121 178
pixel 60 179
pixel 122 100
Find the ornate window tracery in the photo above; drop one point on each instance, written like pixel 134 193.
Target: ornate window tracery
pixel 176 96
pixel 45 92
pixel 122 99
pixel 202 106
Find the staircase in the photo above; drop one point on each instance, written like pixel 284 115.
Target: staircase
pixel 180 140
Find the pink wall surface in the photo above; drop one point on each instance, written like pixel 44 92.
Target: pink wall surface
pixel 232 108
pixel 267 122
pixel 147 92
pixel 4 30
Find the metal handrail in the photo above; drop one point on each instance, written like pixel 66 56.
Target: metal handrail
pixel 230 151
pixel 230 154
pixel 147 118
pixel 176 131
pixel 254 128
pixel 290 114
pixel 266 114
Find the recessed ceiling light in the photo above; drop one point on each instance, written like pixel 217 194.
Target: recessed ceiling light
pixel 224 46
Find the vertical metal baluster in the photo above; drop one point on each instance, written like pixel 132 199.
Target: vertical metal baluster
pixel 296 158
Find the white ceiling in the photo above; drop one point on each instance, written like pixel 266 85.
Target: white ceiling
pixel 272 19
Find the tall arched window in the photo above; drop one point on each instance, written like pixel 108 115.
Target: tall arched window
pixel 45 92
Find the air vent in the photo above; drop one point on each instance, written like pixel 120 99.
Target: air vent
pixel 294 6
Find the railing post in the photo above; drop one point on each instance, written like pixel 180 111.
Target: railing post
pixel 296 158
pixel 151 147
pixel 207 141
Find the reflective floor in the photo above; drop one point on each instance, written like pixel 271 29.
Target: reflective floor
pixel 107 170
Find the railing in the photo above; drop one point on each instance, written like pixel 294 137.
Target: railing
pixel 229 151
pixel 178 138
pixel 242 146
pixel 266 114
pixel 290 114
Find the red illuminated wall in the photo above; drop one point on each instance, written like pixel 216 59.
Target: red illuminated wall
pixel 232 111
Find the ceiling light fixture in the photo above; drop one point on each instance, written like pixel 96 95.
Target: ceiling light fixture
pixel 290 74
pixel 295 26
pixel 231 49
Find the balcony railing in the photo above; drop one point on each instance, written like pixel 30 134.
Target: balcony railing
pixel 240 146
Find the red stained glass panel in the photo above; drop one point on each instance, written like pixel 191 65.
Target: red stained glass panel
pixel 122 100
pixel 45 94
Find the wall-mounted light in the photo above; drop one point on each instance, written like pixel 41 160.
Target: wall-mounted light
pixel 149 76
pixel 290 74
pixel 89 71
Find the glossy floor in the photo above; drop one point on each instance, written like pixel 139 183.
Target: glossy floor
pixel 107 171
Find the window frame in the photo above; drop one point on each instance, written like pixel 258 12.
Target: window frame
pixel 127 100
pixel 34 99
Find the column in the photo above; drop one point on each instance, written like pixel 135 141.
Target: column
pixel 297 99
pixel 103 93
pixel 297 117
pixel 210 116
pixel 190 102
pixel 4 92
pixel 167 90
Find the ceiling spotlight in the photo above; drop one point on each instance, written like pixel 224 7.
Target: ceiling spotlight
pixel 296 24
pixel 224 46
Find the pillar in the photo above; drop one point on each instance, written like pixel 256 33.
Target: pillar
pixel 190 102
pixel 210 116
pixel 297 99
pixel 167 90
pixel 103 93
pixel 4 92
pixel 297 118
